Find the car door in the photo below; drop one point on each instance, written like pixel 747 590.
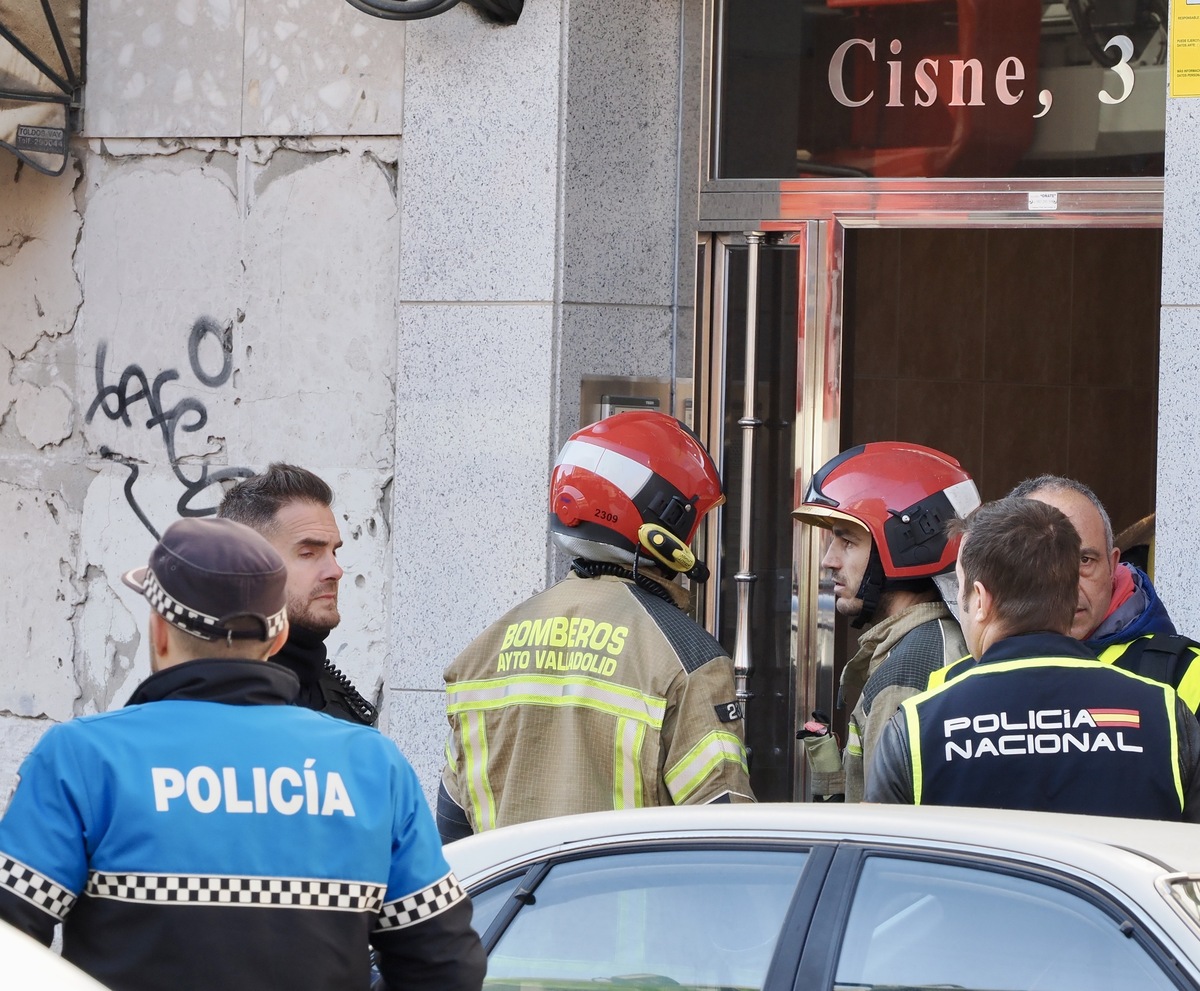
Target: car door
pixel 901 918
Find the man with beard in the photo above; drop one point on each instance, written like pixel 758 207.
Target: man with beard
pixel 886 506
pixel 290 506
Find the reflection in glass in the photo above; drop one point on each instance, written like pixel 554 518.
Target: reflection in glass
pixel 933 88
pixel 486 903
pixel 917 924
pixel 1186 893
pixel 770 712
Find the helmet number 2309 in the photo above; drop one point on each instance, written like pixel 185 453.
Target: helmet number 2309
pixel 606 516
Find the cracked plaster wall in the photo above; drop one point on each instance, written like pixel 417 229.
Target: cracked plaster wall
pixel 253 241
pixel 211 286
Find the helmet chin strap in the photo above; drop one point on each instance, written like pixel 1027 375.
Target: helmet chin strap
pixel 870 590
pixel 875 584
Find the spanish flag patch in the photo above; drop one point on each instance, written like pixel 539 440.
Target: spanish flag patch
pixel 1116 718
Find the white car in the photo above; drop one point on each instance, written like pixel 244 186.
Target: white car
pixel 26 964
pixel 814 897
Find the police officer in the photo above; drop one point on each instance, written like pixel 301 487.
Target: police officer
pixel 293 509
pixel 1036 722
pixel 211 834
pixel 600 692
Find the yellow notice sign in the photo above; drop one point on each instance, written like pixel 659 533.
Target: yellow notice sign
pixel 1185 47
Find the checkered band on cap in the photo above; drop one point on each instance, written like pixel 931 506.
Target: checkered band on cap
pixel 37 889
pixel 215 889
pixel 418 907
pixel 215 579
pixel 197 623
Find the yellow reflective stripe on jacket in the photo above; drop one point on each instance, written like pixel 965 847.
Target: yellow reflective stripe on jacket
pixel 950 671
pixel 1174 726
pixel 475 756
pixel 1188 688
pixel 854 745
pixel 587 693
pixel 690 773
pixel 627 755
pixel 913 725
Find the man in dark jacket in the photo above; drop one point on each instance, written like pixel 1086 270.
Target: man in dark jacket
pixel 290 506
pixel 211 834
pixel 1119 614
pixel 1035 722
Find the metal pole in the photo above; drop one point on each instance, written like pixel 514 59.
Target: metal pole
pixel 742 666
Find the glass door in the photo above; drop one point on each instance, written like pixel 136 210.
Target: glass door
pixel 1019 350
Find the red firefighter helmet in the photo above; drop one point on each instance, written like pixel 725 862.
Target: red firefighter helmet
pixel 903 494
pixel 636 482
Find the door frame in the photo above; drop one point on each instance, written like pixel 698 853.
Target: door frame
pixel 813 215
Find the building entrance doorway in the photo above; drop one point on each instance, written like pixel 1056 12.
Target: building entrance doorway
pixel 1018 350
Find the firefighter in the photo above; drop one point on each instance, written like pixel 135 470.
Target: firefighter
pixel 600 692
pixel 1036 722
pixel 886 506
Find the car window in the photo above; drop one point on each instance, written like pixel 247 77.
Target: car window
pixel 486 903
pixel 917 924
pixel 1184 891
pixel 654 918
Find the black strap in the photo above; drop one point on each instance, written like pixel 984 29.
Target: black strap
pixel 1162 657
pixel 592 569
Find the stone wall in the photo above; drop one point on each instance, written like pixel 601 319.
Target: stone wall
pixel 388 252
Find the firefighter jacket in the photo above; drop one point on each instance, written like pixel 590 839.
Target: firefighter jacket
pixel 1038 724
pixel 210 835
pixel 895 657
pixel 595 694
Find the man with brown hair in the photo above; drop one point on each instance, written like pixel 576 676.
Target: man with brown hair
pixel 1036 722
pixel 292 508
pixel 885 506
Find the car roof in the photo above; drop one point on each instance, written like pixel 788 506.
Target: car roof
pixel 28 965
pixel 1092 843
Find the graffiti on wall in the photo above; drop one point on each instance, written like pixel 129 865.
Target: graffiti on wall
pixel 119 400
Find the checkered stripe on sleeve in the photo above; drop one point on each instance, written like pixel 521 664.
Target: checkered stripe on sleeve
pixel 270 892
pixel 421 905
pixel 37 889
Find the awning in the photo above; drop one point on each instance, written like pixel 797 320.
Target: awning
pixel 41 78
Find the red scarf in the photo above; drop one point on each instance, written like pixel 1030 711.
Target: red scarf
pixel 1123 588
